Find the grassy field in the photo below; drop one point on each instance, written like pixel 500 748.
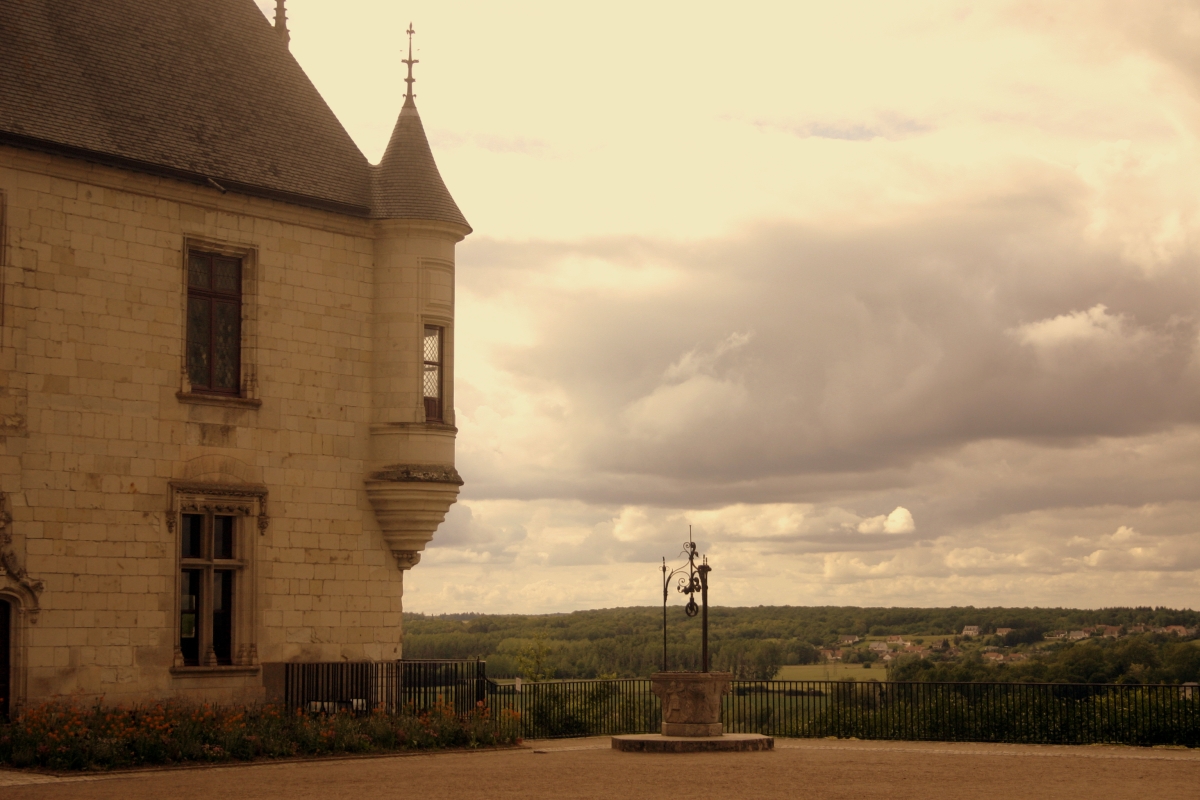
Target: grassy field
pixel 830 672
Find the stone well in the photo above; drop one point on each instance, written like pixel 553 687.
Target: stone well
pixel 691 701
pixel 691 712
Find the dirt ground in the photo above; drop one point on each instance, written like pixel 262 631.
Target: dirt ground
pixel 589 768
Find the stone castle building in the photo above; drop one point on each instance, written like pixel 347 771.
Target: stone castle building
pixel 226 357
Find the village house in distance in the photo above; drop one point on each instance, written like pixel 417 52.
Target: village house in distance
pixel 226 357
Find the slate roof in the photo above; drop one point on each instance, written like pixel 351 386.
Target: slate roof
pixel 406 184
pixel 195 90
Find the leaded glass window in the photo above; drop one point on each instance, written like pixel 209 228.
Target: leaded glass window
pixel 432 379
pixel 214 323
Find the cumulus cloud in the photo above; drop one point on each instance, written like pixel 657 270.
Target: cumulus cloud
pixel 691 393
pixel 978 307
pixel 899 521
pixel 928 367
pixel 1093 325
pixel 867 354
pixel 467 537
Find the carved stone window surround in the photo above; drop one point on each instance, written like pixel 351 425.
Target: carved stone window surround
pixel 249 503
pixel 22 592
pixel 205 496
pixel 14 579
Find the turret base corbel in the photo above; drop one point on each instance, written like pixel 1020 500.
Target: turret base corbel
pixel 406 559
pixel 410 501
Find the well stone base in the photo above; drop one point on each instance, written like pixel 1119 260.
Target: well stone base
pixel 692 729
pixel 730 742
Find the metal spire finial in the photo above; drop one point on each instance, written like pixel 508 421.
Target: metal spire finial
pixel 281 21
pixel 408 96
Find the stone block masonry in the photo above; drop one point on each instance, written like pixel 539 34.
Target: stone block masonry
pixel 98 429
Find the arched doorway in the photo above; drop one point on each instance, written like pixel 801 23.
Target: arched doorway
pixel 5 656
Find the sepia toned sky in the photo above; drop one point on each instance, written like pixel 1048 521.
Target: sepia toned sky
pixel 894 303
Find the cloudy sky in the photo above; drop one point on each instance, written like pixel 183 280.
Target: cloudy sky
pixel 894 303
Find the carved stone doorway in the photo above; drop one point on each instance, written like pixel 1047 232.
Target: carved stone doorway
pixel 5 656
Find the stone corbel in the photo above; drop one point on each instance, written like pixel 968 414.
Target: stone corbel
pixel 407 559
pixel 410 501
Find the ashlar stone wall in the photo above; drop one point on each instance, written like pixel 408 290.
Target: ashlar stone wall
pixel 93 431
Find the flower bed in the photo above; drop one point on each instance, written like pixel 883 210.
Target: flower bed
pixel 65 736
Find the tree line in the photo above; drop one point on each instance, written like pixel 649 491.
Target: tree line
pixel 1144 659
pixel 752 642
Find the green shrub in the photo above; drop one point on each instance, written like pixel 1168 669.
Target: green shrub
pixel 67 736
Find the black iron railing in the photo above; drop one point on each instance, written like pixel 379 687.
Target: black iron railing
pixel 559 709
pixel 363 686
pixel 460 685
pixel 328 687
pixel 967 712
pixel 970 712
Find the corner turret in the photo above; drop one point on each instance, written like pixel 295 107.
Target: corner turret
pixel 411 480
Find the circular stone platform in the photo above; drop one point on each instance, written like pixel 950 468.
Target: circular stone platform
pixel 656 743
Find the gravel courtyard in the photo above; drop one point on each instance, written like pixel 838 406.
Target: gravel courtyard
pixel 588 768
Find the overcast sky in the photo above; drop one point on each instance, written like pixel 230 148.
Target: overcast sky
pixel 894 303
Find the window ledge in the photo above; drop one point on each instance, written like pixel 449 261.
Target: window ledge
pixel 253 669
pixel 218 400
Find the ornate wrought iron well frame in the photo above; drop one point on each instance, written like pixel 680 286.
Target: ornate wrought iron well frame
pixel 690 578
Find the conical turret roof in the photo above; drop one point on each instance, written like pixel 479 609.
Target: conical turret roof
pixel 406 183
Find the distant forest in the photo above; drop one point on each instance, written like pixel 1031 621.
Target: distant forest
pixel 755 642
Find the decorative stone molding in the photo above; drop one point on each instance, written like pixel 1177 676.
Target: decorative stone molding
pixel 218 498
pixel 406 559
pixel 420 473
pixel 13 576
pixel 220 489
pixel 215 508
pixel 410 501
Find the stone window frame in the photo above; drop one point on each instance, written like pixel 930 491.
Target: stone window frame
pixel 247 396
pixel 247 502
pixel 438 406
pixel 437 312
pixel 21 619
pixel 446 326
pixel 22 592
